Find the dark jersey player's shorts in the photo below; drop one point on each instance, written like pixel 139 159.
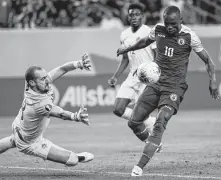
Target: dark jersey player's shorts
pixel 156 96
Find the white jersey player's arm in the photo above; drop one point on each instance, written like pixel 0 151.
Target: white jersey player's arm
pixel 70 66
pixel 122 66
pixel 124 61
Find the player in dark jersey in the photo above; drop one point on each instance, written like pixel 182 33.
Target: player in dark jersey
pixel 174 44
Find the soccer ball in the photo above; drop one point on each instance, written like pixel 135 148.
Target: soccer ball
pixel 148 73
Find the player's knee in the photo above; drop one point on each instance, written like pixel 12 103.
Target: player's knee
pixel 119 111
pixel 137 128
pixel 140 130
pixel 133 126
pixel 165 114
pixel 73 160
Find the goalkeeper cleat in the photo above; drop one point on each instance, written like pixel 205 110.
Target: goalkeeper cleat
pixel 86 157
pixel 136 171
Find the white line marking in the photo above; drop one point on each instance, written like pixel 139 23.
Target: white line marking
pixel 115 173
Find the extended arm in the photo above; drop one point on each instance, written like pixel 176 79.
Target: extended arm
pixel 80 116
pixel 84 63
pixel 120 69
pixel 201 52
pixel 122 66
pixel 142 43
pixel 211 71
pixel 209 64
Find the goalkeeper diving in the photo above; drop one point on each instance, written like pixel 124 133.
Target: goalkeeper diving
pixel 34 116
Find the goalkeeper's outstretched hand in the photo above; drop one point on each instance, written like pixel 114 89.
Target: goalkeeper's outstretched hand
pixel 82 116
pixel 86 62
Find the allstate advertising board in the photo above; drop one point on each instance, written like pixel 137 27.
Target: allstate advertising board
pixel 98 97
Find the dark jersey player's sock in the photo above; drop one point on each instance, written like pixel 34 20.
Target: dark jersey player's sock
pixel 143 161
pixel 148 152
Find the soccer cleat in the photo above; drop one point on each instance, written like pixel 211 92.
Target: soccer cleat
pixel 87 157
pixel 136 171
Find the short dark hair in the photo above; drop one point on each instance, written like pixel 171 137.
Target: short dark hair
pixel 30 73
pixel 136 6
pixel 170 10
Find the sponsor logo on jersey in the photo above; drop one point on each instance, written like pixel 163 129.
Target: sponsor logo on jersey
pixel 173 97
pixel 48 107
pixel 161 35
pixel 181 41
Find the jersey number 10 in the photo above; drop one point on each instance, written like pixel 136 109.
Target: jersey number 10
pixel 168 51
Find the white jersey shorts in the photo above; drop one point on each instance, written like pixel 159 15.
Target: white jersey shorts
pixel 131 88
pixel 39 148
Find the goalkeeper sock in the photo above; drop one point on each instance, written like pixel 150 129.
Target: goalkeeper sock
pixel 127 113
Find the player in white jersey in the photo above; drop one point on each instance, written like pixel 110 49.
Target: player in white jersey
pixel 131 88
pixel 34 116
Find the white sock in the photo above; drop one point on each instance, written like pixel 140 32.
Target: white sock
pixel 149 122
pixel 127 113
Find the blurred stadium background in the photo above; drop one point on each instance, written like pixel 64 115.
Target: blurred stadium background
pixel 51 32
pixel 100 13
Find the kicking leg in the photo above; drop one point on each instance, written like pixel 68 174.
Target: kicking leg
pixel 137 121
pixel 7 143
pixel 154 140
pixel 121 109
pixel 149 123
pixel 168 106
pixel 146 103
